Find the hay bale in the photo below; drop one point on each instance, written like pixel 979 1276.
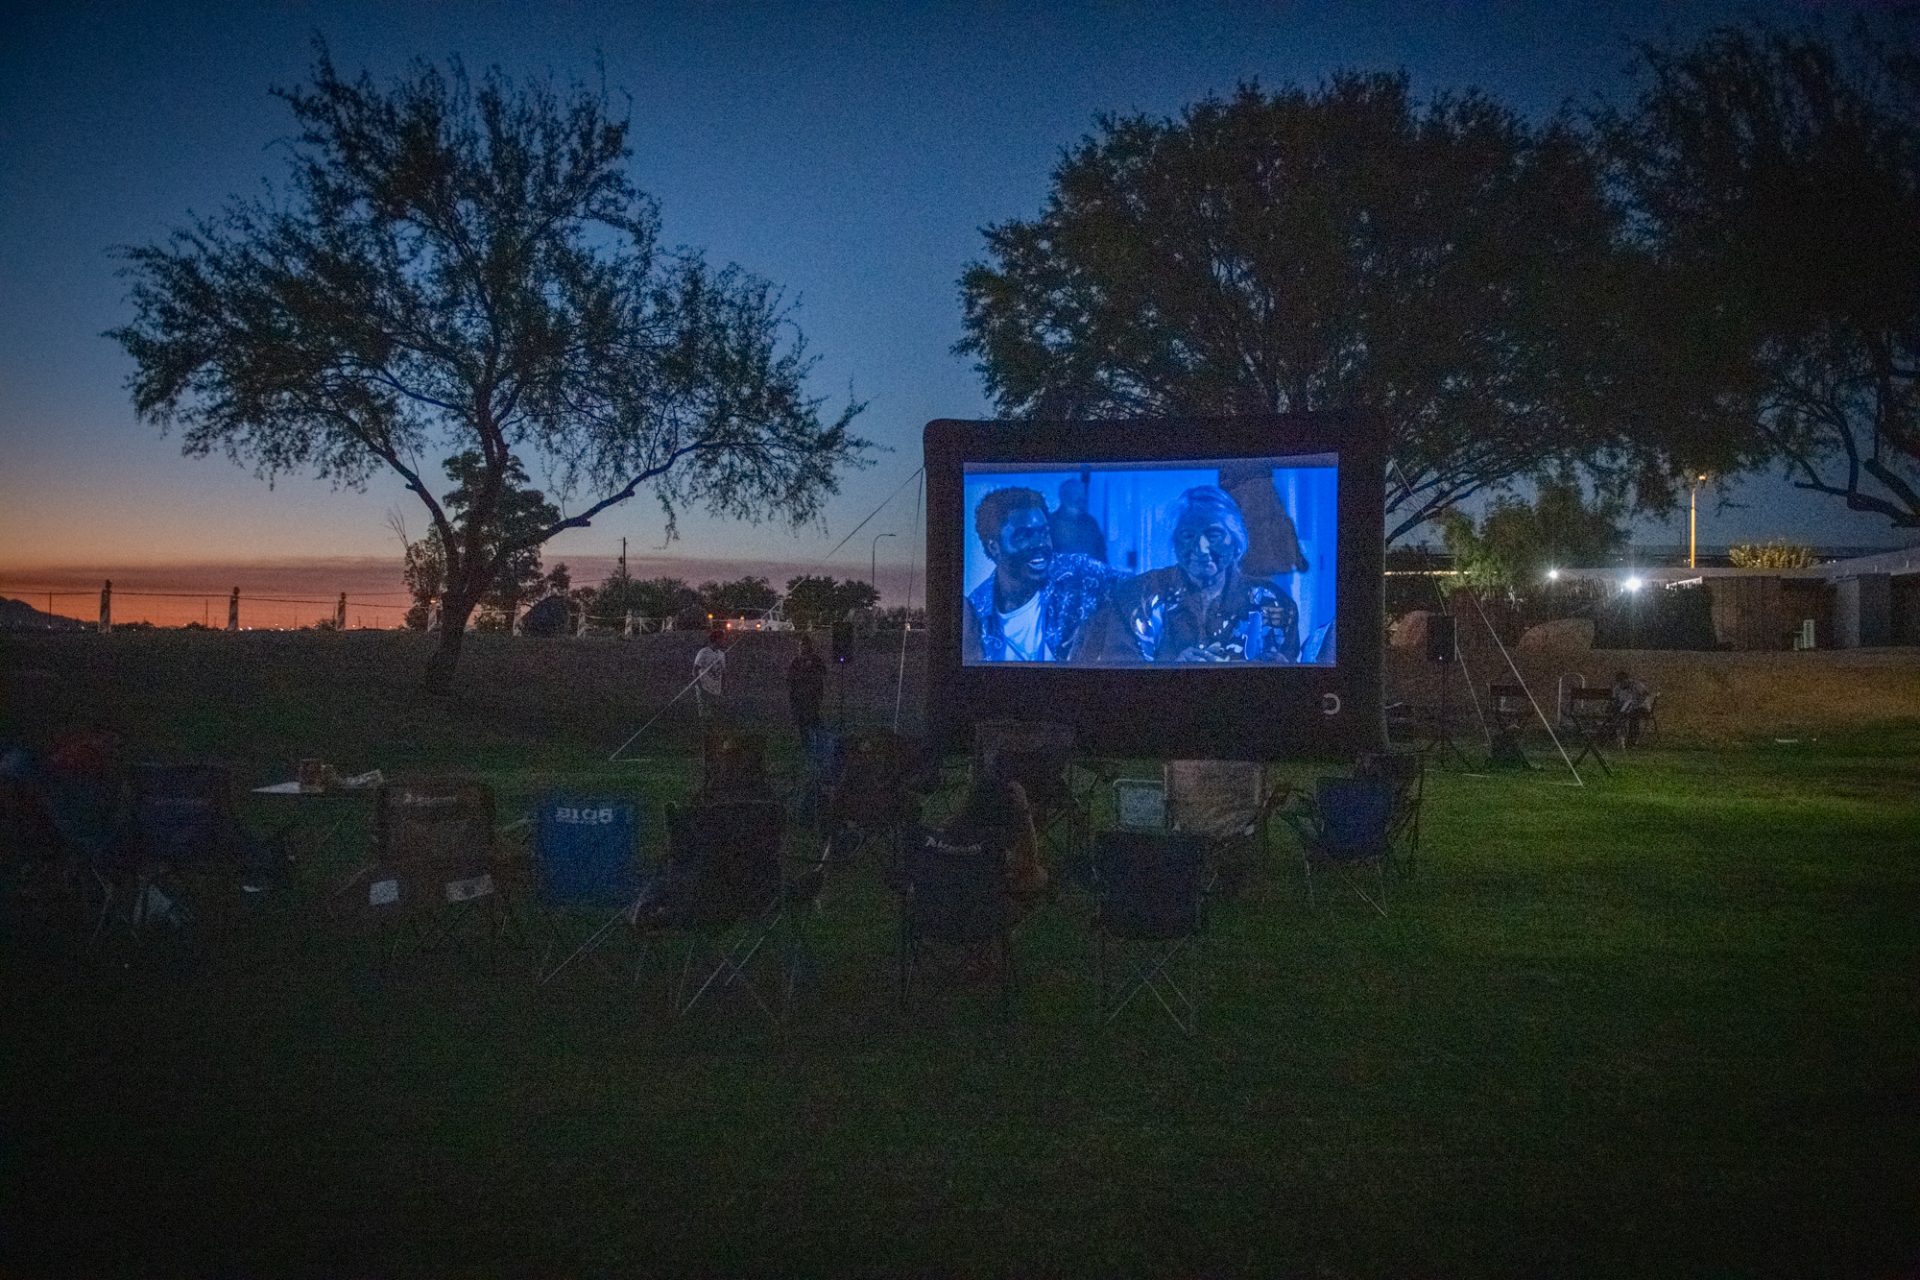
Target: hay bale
pixel 1409 630
pixel 1575 634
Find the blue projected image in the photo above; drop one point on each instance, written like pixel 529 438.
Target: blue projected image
pixel 1142 564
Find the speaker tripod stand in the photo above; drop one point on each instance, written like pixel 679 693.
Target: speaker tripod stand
pixel 1440 739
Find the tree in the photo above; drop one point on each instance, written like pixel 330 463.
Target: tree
pixel 462 267
pixel 521 511
pixel 821 600
pixel 738 597
pixel 1516 542
pixel 653 598
pixel 1344 248
pixel 1776 175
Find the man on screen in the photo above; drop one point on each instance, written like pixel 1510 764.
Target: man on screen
pixel 1036 604
pixel 1202 608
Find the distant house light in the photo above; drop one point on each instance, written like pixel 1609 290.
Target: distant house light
pixel 1634 583
pixel 1553 575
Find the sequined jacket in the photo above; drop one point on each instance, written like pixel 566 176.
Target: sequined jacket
pixel 1158 616
pixel 1076 588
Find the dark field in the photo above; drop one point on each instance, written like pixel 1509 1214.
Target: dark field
pixel 1665 1024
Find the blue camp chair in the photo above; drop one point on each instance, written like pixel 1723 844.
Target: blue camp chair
pixel 585 873
pixel 1348 828
pixel 1150 912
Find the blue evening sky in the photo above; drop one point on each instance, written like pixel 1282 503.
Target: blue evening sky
pixel 850 152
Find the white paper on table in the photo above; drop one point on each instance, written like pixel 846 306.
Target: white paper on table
pixel 467 890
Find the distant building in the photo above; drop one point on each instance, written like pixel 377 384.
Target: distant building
pixel 1857 601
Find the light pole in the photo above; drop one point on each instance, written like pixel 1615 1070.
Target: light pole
pixel 873 564
pixel 1693 518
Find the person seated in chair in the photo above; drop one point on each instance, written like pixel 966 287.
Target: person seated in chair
pixel 997 816
pixel 1631 704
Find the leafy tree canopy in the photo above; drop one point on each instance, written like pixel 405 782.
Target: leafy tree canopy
pixel 458 267
pixel 1776 177
pixel 1439 265
pixel 820 600
pixel 1516 542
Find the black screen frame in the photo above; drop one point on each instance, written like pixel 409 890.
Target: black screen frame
pixel 1252 712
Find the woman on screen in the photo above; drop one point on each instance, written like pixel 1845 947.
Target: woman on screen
pixel 1201 608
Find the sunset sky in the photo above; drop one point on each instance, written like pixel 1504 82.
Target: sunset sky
pixel 849 152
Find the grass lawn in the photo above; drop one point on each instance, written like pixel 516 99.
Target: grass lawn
pixel 1668 1023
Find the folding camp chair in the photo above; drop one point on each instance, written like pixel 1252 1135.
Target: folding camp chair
pixel 1345 830
pixel 726 887
pixel 873 801
pixel 1039 756
pixel 1226 804
pixel 91 819
pixel 192 845
pixel 733 766
pixel 585 877
pixel 1588 716
pixel 1405 772
pixel 956 918
pixel 433 881
pixel 1149 909
pixel 820 772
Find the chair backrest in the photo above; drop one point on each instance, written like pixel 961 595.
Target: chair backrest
pixel 1217 799
pixel 1509 699
pixel 733 766
pixel 438 827
pixel 583 851
pixel 875 783
pixel 1404 771
pixel 183 813
pixel 1034 753
pixel 956 894
pixel 1590 704
pixel 1148 885
pixel 1355 815
pixel 724 857
pixel 824 754
pixel 1140 804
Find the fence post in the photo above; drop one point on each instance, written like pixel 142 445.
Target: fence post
pixel 233 610
pixel 106 607
pixel 627 631
pixel 340 613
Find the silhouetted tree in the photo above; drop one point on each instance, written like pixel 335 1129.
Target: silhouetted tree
pixel 1776 175
pixel 458 266
pixel 738 597
pixel 1440 266
pixel 1516 542
pixel 821 600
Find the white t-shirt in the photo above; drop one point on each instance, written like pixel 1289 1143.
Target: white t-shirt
pixel 710 668
pixel 1025 643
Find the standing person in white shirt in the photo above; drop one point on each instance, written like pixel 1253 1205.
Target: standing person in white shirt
pixel 709 677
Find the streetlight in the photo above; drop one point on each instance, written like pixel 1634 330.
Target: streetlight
pixel 873 563
pixel 1693 516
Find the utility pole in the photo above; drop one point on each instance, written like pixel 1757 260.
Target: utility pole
pixel 873 563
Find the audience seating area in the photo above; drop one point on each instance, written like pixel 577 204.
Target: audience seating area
pixel 710 899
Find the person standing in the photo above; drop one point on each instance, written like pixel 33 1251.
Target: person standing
pixel 806 686
pixel 709 677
